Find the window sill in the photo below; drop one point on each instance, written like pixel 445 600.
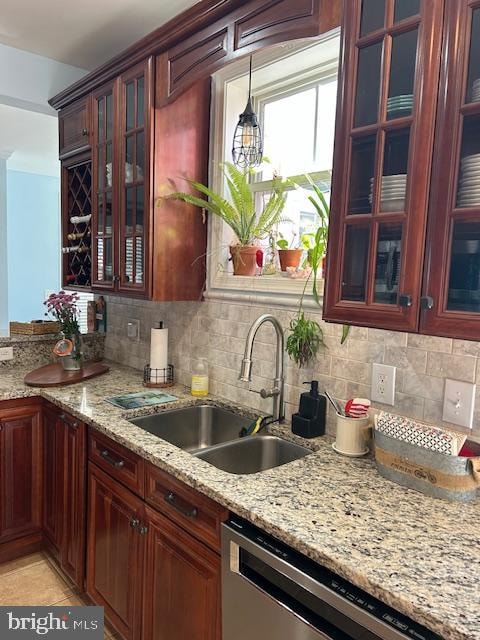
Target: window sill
pixel 277 290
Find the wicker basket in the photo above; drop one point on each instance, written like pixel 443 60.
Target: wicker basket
pixel 436 474
pixel 35 328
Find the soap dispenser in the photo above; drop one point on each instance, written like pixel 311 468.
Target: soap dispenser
pixel 309 422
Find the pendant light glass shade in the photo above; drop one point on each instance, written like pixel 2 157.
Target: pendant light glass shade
pixel 247 149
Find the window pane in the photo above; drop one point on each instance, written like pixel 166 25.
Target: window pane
pixel 129 196
pixel 108 259
pixel 373 16
pixel 402 75
pixel 289 124
pixel 129 158
pixel 473 82
pixel 100 213
pixel 355 263
pixel 139 210
pixel 140 156
pixel 464 285
pixel 101 119
pixel 406 9
pixel 469 176
pixel 138 260
pixel 140 103
pixel 387 271
pixel 361 174
pixel 326 114
pixel 394 178
pixel 109 116
pixel 130 106
pixel 108 212
pixel 368 84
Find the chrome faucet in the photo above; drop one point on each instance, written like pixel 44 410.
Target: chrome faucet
pixel 246 370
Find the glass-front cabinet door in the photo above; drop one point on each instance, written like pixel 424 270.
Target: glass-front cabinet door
pixel 104 195
pixel 134 184
pixel 452 283
pixel 384 140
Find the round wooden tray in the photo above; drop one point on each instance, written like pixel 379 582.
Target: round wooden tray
pixel 54 375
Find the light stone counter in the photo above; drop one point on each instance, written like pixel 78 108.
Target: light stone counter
pixel 415 553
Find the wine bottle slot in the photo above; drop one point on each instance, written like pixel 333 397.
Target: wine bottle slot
pixel 78 236
pixel 76 249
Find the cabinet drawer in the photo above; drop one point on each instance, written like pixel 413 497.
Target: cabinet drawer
pixel 120 463
pixel 201 516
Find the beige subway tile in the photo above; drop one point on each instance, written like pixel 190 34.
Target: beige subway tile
pixel 351 370
pixel 430 343
pixel 365 351
pixel 411 406
pixel 445 365
pixel 429 387
pixel 390 338
pixel 433 411
pixel 406 358
pixel 357 390
pixel 466 347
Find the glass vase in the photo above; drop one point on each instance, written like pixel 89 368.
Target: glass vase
pixel 74 361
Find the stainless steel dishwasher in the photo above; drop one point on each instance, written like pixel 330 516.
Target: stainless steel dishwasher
pixel 271 592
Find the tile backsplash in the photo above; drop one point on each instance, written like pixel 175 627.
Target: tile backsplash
pixel 217 331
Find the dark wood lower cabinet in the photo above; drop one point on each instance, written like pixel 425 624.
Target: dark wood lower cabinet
pixel 20 477
pixel 53 480
pixel 181 584
pixel 72 552
pixel 115 552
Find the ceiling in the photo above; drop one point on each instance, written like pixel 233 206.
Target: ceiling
pixel 83 34
pixel 32 138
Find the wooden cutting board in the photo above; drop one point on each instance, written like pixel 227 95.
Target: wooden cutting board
pixel 54 375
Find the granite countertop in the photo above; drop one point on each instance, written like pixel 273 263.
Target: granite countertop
pixel 418 554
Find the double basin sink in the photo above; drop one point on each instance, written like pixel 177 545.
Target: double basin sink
pixel 213 434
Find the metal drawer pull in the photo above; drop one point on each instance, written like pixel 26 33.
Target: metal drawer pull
pixel 171 499
pixel 143 530
pixel 134 522
pixel 116 463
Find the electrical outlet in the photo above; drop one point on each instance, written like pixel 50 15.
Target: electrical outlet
pixel 383 383
pixel 133 330
pixel 6 353
pixel 459 402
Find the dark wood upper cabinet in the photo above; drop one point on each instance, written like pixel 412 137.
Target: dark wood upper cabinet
pixel 383 150
pixel 74 128
pixel 21 463
pixel 452 274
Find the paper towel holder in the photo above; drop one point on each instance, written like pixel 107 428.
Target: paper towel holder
pixel 151 376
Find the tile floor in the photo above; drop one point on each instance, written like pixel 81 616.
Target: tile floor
pixel 20 580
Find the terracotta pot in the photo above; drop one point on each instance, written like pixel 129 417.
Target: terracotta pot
pixel 289 258
pixel 244 260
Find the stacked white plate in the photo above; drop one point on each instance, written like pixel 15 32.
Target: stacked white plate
pixel 397 105
pixel 392 197
pixel 476 90
pixel 469 183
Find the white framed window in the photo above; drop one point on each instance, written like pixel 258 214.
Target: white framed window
pixel 294 88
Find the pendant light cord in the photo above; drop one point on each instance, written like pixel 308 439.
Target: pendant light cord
pixel 250 80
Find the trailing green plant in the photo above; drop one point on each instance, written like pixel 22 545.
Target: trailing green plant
pixel 305 339
pixel 239 213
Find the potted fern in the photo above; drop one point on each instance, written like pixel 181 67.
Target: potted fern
pixel 239 212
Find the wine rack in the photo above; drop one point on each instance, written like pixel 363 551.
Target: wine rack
pixel 77 229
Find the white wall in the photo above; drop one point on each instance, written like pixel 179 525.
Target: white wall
pixel 28 80
pixel 3 247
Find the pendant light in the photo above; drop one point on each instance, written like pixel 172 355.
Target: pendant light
pixel 247 149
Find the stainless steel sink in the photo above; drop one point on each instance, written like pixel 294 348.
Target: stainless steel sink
pixel 194 428
pixel 253 454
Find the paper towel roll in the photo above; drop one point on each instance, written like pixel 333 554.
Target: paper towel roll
pixel 159 354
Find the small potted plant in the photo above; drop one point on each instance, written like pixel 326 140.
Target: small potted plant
pixel 239 212
pixel 288 255
pixel 63 307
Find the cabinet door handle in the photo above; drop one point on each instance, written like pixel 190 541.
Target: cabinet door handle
pixel 84 132
pixel 118 464
pixel 134 522
pixel 62 417
pixel 171 499
pixel 405 300
pixel 143 530
pixel 426 302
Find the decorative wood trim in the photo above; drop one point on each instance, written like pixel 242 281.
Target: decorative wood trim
pixel 205 20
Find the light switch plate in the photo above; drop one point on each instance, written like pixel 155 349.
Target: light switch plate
pixel 383 383
pixel 6 353
pixel 133 330
pixel 459 402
